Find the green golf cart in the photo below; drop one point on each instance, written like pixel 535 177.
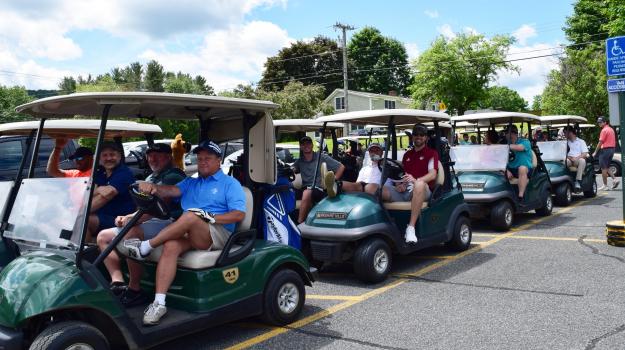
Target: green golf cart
pixel 72 129
pixel 481 172
pixel 554 155
pixel 362 229
pixel 56 294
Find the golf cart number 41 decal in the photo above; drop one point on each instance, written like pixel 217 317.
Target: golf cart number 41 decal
pixel 333 215
pixel 231 275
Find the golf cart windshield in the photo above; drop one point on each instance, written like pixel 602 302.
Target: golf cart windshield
pixel 552 150
pixel 49 212
pixel 5 189
pixel 480 157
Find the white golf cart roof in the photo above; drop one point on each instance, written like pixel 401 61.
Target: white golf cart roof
pixel 75 128
pixel 553 120
pixel 381 117
pixel 305 125
pixel 488 118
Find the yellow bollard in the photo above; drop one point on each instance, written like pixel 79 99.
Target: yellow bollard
pixel 615 233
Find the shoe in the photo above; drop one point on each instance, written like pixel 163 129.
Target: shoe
pixel 411 237
pixel 133 246
pixel 153 314
pixel 615 184
pixel 118 288
pixel 578 186
pixel 130 298
pixel 521 201
pixel 603 188
pixel 330 184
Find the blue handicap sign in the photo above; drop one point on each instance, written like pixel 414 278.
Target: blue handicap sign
pixel 616 85
pixel 615 55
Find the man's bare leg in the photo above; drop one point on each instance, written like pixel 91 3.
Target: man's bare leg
pixel 92 228
pixel 187 223
pixel 372 189
pixel 347 186
pixel 418 197
pixel 305 205
pixel 112 260
pixel 522 180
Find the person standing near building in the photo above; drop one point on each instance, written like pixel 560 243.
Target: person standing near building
pixel 605 148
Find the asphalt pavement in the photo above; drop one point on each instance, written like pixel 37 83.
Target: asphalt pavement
pixel 550 283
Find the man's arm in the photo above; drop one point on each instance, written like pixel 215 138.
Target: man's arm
pixel 53 161
pixel 101 196
pixel 230 217
pixel 517 148
pixel 163 191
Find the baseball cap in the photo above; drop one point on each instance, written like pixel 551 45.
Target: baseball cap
pixel 81 152
pixel 305 139
pixel 419 128
pixel 110 145
pixel 600 120
pixel 374 144
pixel 160 148
pixel 209 146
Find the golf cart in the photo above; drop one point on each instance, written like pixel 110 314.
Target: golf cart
pixel 554 155
pixel 71 129
pixel 361 229
pixel 56 296
pixel 482 173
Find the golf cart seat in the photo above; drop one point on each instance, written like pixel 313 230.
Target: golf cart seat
pixel 440 180
pixel 203 259
pixel 515 180
pixel 297 183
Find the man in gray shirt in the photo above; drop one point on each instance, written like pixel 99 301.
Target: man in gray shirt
pixel 306 165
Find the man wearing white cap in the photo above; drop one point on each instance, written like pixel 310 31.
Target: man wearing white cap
pixel 369 176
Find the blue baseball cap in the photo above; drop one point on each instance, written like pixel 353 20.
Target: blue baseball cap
pixel 210 146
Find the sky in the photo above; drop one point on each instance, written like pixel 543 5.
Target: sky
pixel 228 41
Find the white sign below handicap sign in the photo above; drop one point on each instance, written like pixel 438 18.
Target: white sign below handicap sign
pixel 615 55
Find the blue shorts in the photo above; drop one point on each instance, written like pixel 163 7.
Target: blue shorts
pixel 515 172
pixel 105 221
pixel 605 157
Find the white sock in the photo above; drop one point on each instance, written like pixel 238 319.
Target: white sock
pixel 145 248
pixel 159 298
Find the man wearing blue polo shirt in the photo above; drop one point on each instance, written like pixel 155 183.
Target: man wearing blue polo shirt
pixel 521 166
pixel 212 204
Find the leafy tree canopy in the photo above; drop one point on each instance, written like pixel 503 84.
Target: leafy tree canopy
pixel 11 97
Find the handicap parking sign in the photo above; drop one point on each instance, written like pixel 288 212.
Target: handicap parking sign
pixel 615 55
pixel 616 85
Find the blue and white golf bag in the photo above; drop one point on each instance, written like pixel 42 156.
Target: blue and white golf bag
pixel 279 202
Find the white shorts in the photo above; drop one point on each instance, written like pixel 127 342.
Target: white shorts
pixel 219 235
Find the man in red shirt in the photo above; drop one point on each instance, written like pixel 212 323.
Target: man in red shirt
pixel 606 147
pixel 83 157
pixel 421 167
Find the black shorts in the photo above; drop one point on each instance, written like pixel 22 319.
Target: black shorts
pixel 515 172
pixel 317 194
pixel 605 157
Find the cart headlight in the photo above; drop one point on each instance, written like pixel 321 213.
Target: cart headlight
pixel 473 186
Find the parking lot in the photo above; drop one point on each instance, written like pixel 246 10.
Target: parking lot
pixel 551 283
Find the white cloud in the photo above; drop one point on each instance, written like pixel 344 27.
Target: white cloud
pixel 239 51
pixel 530 81
pixel 524 32
pixel 470 30
pixel 446 31
pixel 412 50
pixel 28 73
pixel 431 13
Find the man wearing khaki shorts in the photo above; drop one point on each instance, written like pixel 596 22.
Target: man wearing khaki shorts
pixel 212 204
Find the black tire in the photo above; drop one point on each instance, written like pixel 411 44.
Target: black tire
pixel 592 192
pixel 563 194
pixel 462 235
pixel 65 334
pixel 547 207
pixel 283 298
pixel 502 216
pixel 372 260
pixel 615 168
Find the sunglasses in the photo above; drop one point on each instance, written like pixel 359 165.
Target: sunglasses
pixel 79 158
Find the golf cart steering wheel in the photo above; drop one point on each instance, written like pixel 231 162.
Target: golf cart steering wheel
pixel 392 169
pixel 150 203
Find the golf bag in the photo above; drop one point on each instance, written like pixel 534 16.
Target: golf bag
pixel 279 201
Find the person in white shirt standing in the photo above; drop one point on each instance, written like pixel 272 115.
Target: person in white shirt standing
pixel 369 176
pixel 578 152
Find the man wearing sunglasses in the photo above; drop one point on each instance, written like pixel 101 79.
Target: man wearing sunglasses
pixel 83 159
pixel 421 166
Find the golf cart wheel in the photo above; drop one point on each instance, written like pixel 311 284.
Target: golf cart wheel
pixel 614 169
pixel 372 260
pixel 461 238
pixel 283 298
pixel 563 194
pixel 70 335
pixel 547 207
pixel 502 216
pixel 592 192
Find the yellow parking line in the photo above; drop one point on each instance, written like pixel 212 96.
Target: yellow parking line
pixel 429 257
pixel 375 292
pixel 575 239
pixel 333 297
pixel 484 234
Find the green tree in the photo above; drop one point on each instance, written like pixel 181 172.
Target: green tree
pixel 457 71
pixel 184 84
pixel 312 62
pixel 67 86
pixel 537 103
pixel 154 77
pixel 587 23
pixel 11 97
pixel 503 99
pixel 379 64
pixel 133 74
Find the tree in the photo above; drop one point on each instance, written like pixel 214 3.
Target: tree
pixel 11 97
pixel 587 23
pixel 314 62
pixel 504 99
pixel 154 77
pixel 537 103
pixel 457 71
pixel 67 86
pixel 184 84
pixel 132 76
pixel 378 64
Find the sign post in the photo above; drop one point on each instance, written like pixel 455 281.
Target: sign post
pixel 615 64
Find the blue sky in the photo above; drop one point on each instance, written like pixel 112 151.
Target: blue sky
pixel 227 41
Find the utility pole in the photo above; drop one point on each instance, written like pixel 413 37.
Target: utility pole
pixel 344 28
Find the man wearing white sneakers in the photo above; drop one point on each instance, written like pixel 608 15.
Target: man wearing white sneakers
pixel 578 152
pixel 605 148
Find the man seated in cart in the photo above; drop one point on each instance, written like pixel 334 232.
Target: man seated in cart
pixel 576 157
pixel 368 177
pixel 521 166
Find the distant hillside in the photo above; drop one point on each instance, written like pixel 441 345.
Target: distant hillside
pixel 37 94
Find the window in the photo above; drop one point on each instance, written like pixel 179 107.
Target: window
pixel 339 103
pixel 388 104
pixel 11 154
